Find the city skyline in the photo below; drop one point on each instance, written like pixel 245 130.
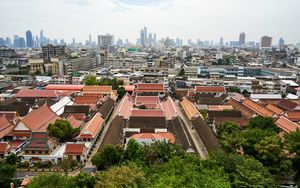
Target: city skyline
pixel 205 19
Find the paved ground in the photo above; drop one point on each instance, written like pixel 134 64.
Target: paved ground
pixel 98 143
pixel 196 138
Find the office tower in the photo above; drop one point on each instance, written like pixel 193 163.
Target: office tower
pixel 150 39
pixel 145 35
pixel 29 39
pixel 281 43
pixel 90 40
pixel 22 43
pixel 105 40
pixel 73 42
pixel 190 42
pixel 16 41
pixel 266 42
pixel 142 37
pixel 242 39
pixel 221 41
pixel 62 42
pixel 154 38
pixel 53 51
pixel 42 41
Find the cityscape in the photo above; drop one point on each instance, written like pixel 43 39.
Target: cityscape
pixel 149 94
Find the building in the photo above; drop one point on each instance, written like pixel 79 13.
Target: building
pixel 281 43
pixel 29 39
pixel 242 39
pixel 77 152
pixel 37 66
pixel 105 40
pixel 266 42
pixel 84 63
pixel 50 50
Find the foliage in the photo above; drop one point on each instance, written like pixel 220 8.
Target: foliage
pixel 90 81
pixel 13 159
pixel 107 156
pixel 234 89
pixel 246 93
pixel 121 92
pixel 181 72
pixel 265 123
pixel 84 180
pixel 51 181
pixel 134 151
pixel 129 175
pixel 7 172
pixel 66 165
pixel 62 129
pixel 292 145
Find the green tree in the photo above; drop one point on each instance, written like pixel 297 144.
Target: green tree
pixel 52 181
pixel 84 180
pixel 133 152
pixel 62 129
pixel 246 93
pixel 270 152
pixel 292 145
pixel 91 80
pixel 181 72
pixel 264 123
pixel 121 92
pixel 7 172
pixel 107 156
pixel 66 165
pixel 14 159
pixel 129 175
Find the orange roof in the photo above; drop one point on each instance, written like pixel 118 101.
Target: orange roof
pixel 129 88
pixel 4 146
pixel 35 93
pixel 189 109
pixel 257 108
pixel 274 109
pixel 214 89
pixel 146 87
pixel 148 113
pixel 75 149
pixel 39 119
pixel 146 100
pixel 219 107
pixel 97 89
pixel 247 112
pixel 74 122
pixel 86 100
pixel 64 87
pixel 125 106
pixel 287 125
pixel 92 128
pixel 170 108
pixel 155 136
pixel 293 115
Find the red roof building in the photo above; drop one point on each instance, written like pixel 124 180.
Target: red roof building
pixel 64 87
pixel 35 93
pixel 149 138
pixel 92 128
pixel 76 152
pixel 4 149
pixel 209 89
pixel 149 89
pixel 287 125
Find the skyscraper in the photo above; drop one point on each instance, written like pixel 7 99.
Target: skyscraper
pixel 142 37
pixel 266 42
pixel 145 35
pixel 281 43
pixel 242 39
pixel 29 39
pixel 42 41
pixel 16 41
pixel 90 40
pixel 105 40
pixel 221 41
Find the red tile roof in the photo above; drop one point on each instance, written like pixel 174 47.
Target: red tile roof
pixel 35 93
pixel 139 100
pixel 11 116
pixel 125 106
pixel 75 149
pixel 257 108
pixel 189 109
pixel 64 87
pixel 145 87
pixel 293 115
pixel 247 112
pixel 129 88
pixel 86 100
pixel 211 89
pixel 274 109
pixel 4 147
pixel 148 113
pixel 287 104
pixel 169 108
pixel 74 122
pixel 92 128
pixel 155 136
pixel 287 125
pixel 39 119
pixel 97 89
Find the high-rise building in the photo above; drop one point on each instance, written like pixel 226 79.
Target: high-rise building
pixel 105 40
pixel 90 40
pixel 154 38
pixel 22 43
pixel 142 37
pixel 16 41
pixel 49 51
pixel 145 35
pixel 266 42
pixel 150 39
pixel 42 40
pixel 221 41
pixel 281 43
pixel 29 39
pixel 242 39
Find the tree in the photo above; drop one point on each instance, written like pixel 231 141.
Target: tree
pixel 14 159
pixel 107 156
pixel 133 152
pixel 62 130
pixel 66 165
pixel 270 152
pixel 264 123
pixel 246 93
pixel 51 181
pixel 84 180
pixel 121 92
pixel 129 175
pixel 292 145
pixel 234 89
pixel 7 172
pixel 91 81
pixel 181 72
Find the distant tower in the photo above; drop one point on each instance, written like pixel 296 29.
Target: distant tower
pixel 42 41
pixel 29 39
pixel 242 39
pixel 281 43
pixel 145 35
pixel 142 37
pixel 221 41
pixel 266 42
pixel 90 40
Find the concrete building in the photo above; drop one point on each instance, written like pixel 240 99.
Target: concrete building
pixel 266 42
pixel 242 39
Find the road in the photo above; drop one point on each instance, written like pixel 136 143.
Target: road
pixel 196 138
pixel 98 143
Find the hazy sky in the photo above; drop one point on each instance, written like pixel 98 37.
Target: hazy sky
pixel 203 19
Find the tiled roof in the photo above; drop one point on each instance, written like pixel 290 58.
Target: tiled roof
pixel 169 108
pixel 74 122
pixel 11 116
pixel 257 108
pixel 125 106
pixel 155 136
pixel 240 121
pixel 38 141
pixel 74 149
pixel 64 87
pixel 97 89
pixel 293 115
pixel 287 104
pixel 129 88
pixel 287 125
pixel 21 109
pixel 247 112
pixel 213 89
pixel 147 113
pixel 189 108
pixel 274 109
pixel 146 86
pixel 91 128
pixel 35 93
pixel 139 100
pixel 232 113
pixel 219 107
pixel 39 119
pixel 5 126
pixel 86 100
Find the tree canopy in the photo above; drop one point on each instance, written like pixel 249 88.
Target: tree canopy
pixel 62 130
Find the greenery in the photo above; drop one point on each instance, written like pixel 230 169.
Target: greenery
pixel 8 168
pixel 234 89
pixel 62 129
pixel 181 72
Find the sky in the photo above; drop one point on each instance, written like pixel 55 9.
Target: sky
pixel 186 19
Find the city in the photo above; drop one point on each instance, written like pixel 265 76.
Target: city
pixel 149 110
